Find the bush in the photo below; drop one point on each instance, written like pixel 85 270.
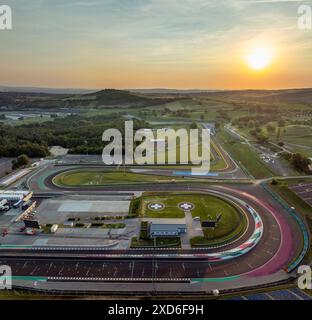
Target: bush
pixel 79 225
pixel 300 162
pixel 274 182
pixel 144 225
pixel 144 235
pixel 97 225
pixel 135 205
pixel 21 161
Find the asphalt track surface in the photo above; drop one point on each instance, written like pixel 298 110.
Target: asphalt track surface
pixel 273 253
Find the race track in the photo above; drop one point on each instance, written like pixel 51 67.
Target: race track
pixel 276 248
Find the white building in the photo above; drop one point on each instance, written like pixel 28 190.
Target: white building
pixel 14 195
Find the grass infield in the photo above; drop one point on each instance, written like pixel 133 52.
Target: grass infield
pixel 231 225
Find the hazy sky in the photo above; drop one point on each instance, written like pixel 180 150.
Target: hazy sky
pixel 154 43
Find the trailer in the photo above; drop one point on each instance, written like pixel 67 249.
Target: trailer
pixel 17 204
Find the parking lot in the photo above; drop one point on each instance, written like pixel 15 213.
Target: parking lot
pixel 59 210
pixel 77 218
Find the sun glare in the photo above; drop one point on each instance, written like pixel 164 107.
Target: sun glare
pixel 259 58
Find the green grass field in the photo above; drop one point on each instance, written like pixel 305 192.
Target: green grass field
pixel 244 155
pixel 165 242
pixel 231 224
pixel 297 138
pixel 98 177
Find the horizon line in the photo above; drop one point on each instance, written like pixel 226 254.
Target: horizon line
pixel 11 88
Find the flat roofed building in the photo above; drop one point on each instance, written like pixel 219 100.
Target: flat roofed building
pixel 167 228
pixel 14 194
pixel 11 178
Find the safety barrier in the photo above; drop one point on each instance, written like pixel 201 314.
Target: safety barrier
pixel 306 238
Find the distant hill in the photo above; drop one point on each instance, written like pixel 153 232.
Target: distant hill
pixel 122 97
pixel 45 90
pixel 112 95
pixel 111 98
pixel 171 91
pixel 294 96
pixel 103 98
pixel 21 100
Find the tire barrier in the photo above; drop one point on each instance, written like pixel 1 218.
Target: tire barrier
pixel 246 246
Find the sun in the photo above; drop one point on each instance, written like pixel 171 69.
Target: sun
pixel 259 58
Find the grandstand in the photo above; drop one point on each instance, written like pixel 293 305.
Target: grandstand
pixel 11 178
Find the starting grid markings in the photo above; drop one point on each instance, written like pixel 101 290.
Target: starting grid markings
pixel 121 279
pixel 48 248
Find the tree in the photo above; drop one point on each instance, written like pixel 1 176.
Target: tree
pixel 270 128
pixel 21 161
pixel 262 139
pixel 300 162
pixel 274 182
pixel 251 124
pixel 278 133
pixel 217 125
pixel 281 123
pixel 14 165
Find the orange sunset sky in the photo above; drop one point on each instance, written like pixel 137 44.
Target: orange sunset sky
pixel 224 44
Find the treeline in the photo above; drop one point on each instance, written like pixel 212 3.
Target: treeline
pixel 14 149
pixel 257 120
pixel 81 135
pixel 300 162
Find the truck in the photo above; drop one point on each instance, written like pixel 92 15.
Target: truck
pixel 30 231
pixel 3 205
pixel 3 202
pixel 54 228
pixel 17 204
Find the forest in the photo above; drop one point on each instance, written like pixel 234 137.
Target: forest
pixel 79 134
